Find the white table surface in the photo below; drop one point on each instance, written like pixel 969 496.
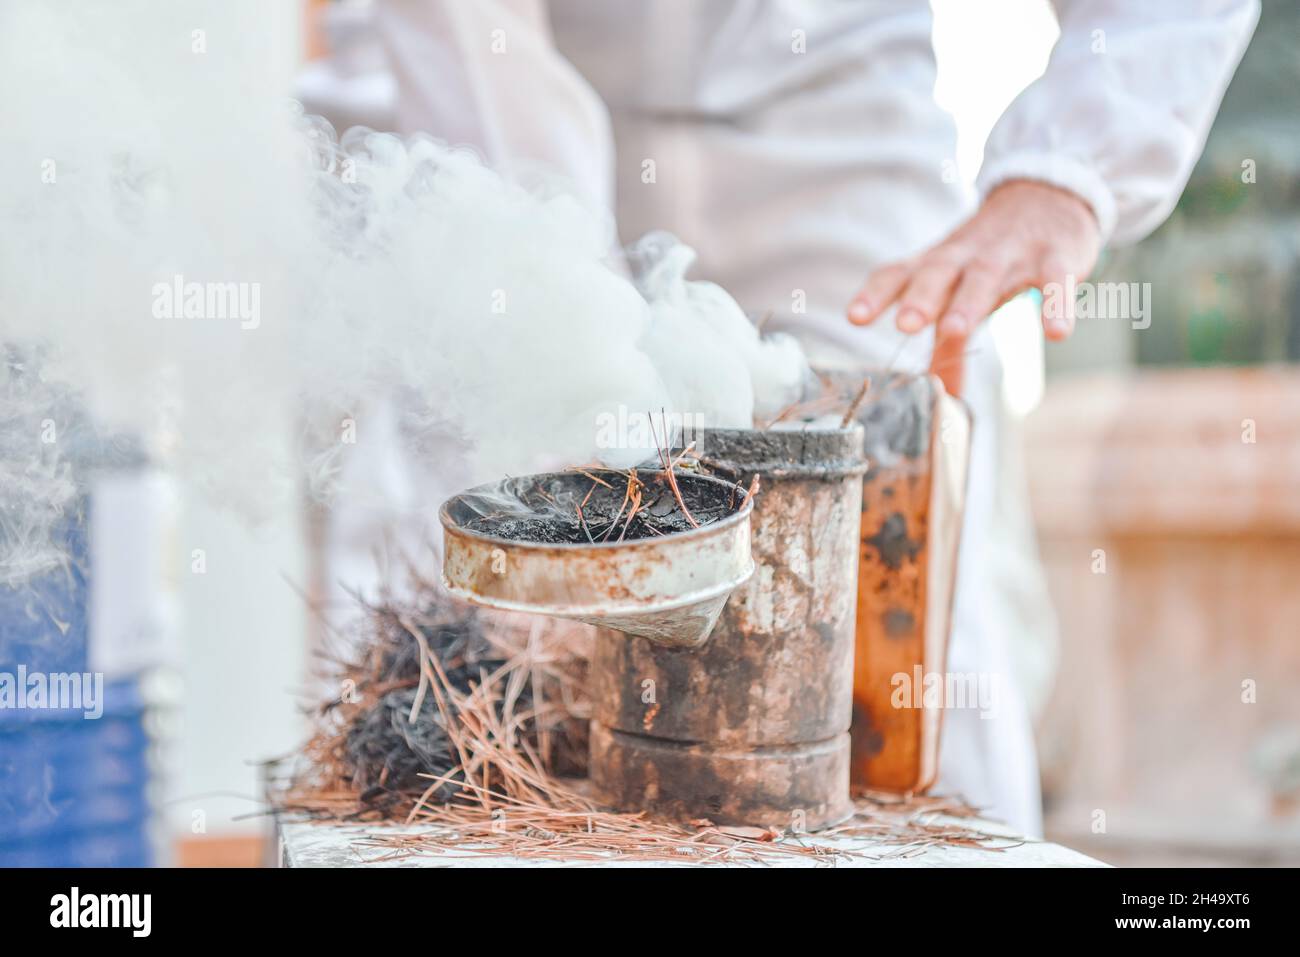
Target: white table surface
pixel 309 844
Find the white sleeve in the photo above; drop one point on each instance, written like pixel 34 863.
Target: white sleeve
pixel 1121 114
pixel 486 73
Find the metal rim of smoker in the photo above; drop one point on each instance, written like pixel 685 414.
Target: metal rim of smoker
pixel 460 542
pixel 840 448
pixel 734 518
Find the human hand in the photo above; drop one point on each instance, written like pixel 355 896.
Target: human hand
pixel 1026 233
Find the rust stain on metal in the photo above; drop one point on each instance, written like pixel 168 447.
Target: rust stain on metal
pixel 894 541
pixel 891 618
pixel 751 727
pixel 668 589
pixel 901 625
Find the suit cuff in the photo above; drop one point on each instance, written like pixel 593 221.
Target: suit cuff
pixel 1058 170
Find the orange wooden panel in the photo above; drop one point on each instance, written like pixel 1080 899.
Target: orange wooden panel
pixel 911 520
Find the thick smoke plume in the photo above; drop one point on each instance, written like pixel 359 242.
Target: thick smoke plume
pixel 188 260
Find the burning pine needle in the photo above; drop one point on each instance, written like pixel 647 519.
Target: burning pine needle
pixel 852 410
pixel 666 459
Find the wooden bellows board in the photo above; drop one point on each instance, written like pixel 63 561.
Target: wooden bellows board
pixel 913 495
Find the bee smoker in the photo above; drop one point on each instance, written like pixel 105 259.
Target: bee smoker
pixel 751 727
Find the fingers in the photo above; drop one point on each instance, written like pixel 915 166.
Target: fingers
pixel 925 296
pixel 1024 234
pixel 881 289
pixel 1058 311
pixel 959 290
pixel 981 289
pixel 979 292
pixel 921 289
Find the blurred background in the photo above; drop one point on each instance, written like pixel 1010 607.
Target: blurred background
pixel 1175 450
pixel 1164 465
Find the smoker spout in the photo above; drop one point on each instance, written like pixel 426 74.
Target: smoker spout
pixel 688 626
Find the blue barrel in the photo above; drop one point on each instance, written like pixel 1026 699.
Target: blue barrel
pixel 73 788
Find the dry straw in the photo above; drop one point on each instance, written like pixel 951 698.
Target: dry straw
pixel 501 717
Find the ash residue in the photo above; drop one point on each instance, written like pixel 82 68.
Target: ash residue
pixel 389 734
pixel 594 506
pixel 385 748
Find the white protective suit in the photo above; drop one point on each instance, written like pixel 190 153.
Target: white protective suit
pixel 797 145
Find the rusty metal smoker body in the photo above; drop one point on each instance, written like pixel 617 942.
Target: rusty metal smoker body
pixel 752 726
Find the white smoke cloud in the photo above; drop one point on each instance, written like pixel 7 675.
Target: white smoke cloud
pixel 197 264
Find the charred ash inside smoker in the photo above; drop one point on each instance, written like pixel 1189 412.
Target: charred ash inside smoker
pixel 597 506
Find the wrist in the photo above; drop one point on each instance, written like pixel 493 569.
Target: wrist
pixel 1064 203
pixel 1074 177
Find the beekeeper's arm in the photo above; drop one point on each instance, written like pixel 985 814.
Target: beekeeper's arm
pixel 1097 150
pixel 486 73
